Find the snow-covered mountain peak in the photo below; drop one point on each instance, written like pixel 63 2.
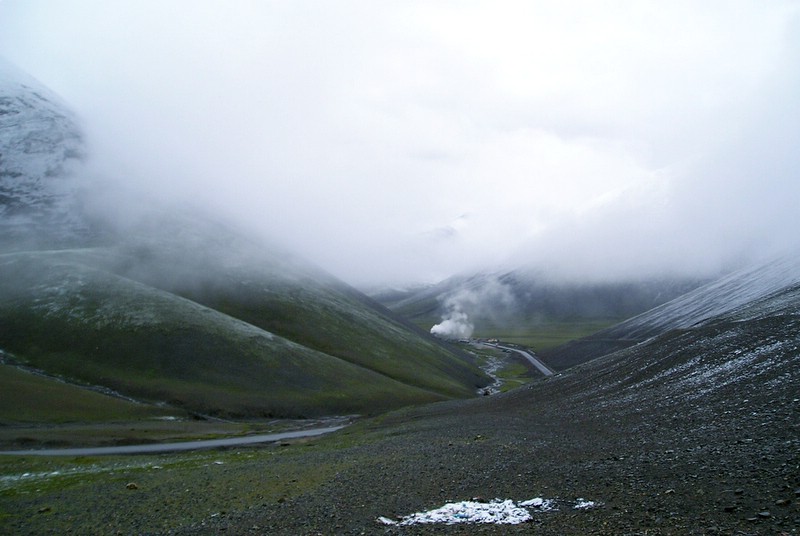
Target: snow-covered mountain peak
pixel 40 149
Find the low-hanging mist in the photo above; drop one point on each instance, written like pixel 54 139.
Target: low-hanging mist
pixel 394 142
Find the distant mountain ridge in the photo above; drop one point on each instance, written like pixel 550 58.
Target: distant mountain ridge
pixel 524 297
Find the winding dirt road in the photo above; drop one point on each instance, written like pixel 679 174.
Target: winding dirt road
pixel 174 447
pixel 541 367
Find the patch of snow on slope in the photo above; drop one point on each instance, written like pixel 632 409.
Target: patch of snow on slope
pixel 714 299
pixel 742 364
pixel 717 362
pixel 496 512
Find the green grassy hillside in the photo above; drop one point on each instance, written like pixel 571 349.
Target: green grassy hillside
pixel 335 324
pixel 30 398
pixel 61 313
pixel 269 288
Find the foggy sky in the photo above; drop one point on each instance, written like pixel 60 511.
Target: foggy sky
pixel 405 141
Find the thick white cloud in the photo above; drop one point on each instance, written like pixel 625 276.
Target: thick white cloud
pixel 409 140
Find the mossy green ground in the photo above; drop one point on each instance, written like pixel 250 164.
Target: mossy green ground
pixel 53 494
pixel 544 336
pixel 29 398
pixel 58 494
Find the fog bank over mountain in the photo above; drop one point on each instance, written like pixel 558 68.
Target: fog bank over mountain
pixel 395 142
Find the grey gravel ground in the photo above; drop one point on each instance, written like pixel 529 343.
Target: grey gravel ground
pixel 667 449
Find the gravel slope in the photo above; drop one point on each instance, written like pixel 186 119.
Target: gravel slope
pixel 714 299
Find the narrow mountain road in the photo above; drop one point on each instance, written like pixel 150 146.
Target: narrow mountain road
pixel 541 367
pixel 174 447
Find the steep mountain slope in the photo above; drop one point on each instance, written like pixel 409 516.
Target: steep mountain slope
pixel 79 322
pixel 707 301
pixel 171 306
pixel 279 293
pixel 40 147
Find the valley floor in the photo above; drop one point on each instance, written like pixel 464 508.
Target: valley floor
pixel 694 432
pixel 676 469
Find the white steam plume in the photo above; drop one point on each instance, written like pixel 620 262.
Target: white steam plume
pixel 455 325
pixel 489 299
